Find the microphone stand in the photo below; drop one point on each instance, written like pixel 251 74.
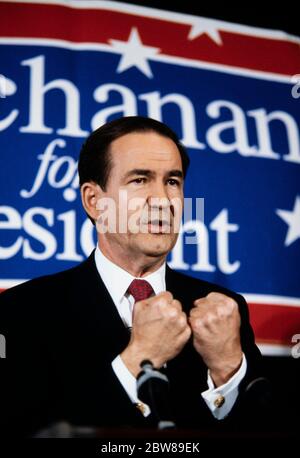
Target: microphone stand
pixel 153 390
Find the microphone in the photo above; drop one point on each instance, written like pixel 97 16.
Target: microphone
pixel 153 389
pixel 259 390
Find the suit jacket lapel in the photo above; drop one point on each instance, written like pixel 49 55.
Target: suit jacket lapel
pixel 108 322
pixel 175 284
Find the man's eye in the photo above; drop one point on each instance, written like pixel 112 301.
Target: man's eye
pixel 138 180
pixel 173 182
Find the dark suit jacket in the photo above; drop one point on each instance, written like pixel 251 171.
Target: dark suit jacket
pixel 62 333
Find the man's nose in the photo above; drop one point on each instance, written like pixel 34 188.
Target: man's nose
pixel 158 196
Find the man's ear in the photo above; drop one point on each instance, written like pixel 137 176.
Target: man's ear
pixel 90 194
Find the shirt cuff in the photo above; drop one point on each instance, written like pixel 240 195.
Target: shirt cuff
pixel 128 381
pixel 220 400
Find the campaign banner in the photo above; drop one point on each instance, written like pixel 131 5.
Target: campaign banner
pixel 231 92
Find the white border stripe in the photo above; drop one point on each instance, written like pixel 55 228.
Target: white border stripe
pixel 274 350
pixel 249 73
pixel 273 300
pixel 232 70
pixel 171 16
pixel 5 284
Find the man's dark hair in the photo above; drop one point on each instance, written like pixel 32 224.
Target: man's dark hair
pixel 95 161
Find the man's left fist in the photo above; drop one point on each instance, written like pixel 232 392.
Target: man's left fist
pixel 215 323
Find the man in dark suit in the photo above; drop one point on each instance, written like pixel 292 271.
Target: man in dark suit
pixel 70 354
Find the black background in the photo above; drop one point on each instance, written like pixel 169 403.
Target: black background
pixel 271 15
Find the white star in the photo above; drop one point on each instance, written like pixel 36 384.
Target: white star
pixel 200 26
pixel 292 219
pixel 134 53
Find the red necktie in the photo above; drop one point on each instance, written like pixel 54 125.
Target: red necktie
pixel 140 290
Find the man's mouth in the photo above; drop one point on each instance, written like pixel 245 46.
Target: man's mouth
pixel 159 226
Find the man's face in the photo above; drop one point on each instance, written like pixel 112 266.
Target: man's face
pixel 146 184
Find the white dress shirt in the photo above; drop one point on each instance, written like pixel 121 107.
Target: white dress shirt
pixel 117 281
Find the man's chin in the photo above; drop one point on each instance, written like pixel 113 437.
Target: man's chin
pixel 157 244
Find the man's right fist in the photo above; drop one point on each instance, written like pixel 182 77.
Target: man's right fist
pixel 159 332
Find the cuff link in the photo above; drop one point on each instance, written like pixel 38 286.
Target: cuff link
pixel 219 401
pixel 141 407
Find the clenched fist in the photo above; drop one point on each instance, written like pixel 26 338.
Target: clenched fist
pixel 215 323
pixel 159 332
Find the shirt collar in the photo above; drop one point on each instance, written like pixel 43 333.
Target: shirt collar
pixel 117 280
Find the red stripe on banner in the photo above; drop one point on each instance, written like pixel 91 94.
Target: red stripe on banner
pixel 98 26
pixel 275 324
